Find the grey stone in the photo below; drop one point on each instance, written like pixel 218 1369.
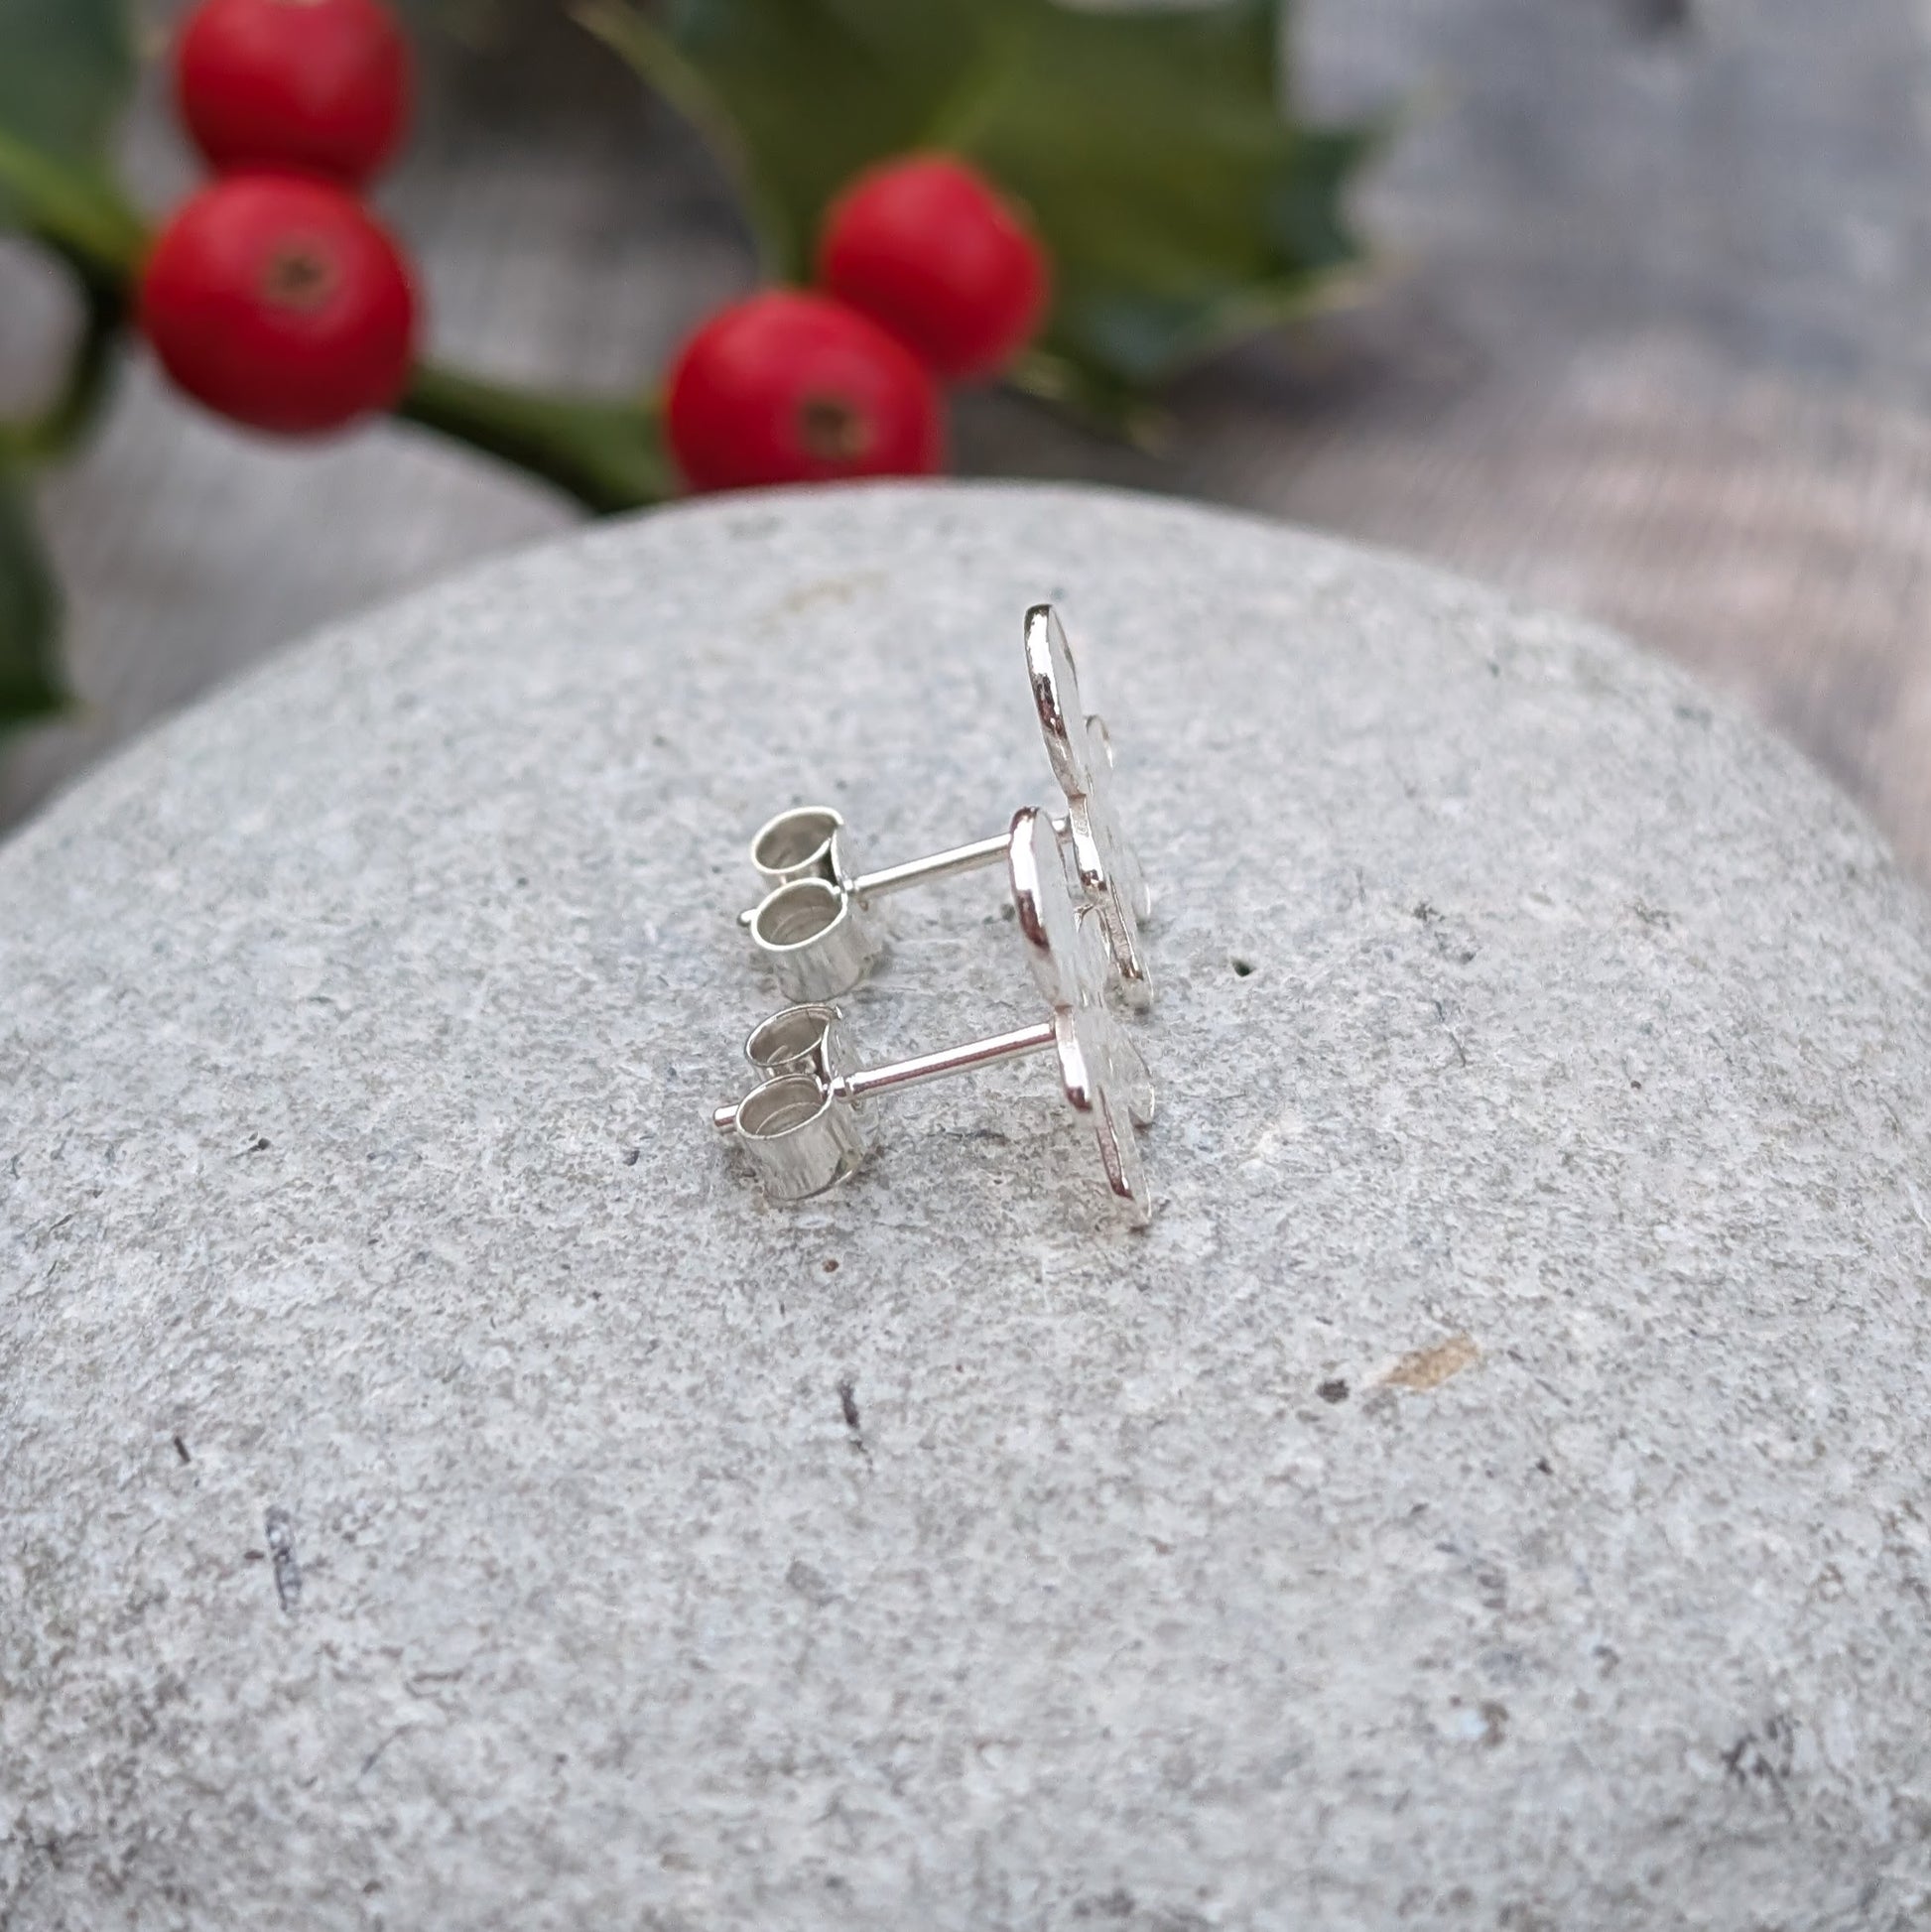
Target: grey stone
pixel 438 1490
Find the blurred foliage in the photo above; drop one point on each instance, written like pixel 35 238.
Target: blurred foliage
pixel 1183 206
pixel 484 24
pixel 67 69
pixel 30 679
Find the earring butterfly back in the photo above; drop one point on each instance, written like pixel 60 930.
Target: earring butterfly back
pixel 799 1123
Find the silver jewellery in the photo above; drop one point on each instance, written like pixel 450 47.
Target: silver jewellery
pixel 799 1123
pixel 811 928
pixel 1079 898
pixel 1081 757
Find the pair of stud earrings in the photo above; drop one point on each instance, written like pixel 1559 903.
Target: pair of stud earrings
pixel 1080 899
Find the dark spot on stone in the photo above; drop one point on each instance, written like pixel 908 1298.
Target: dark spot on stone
pixel 280 1530
pixel 1334 1390
pixel 1425 912
pixel 632 1157
pixel 848 1408
pixel 810 1584
pixel 1767 1755
pixel 1242 969
pixel 1546 1467
pixel 257 1146
pixel 181 1449
pixel 1653 18
pixel 830 1265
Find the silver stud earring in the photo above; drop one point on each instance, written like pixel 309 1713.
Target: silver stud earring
pixel 813 929
pixel 1081 757
pixel 799 1123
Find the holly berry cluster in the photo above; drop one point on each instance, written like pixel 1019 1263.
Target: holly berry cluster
pixel 274 296
pixel 926 276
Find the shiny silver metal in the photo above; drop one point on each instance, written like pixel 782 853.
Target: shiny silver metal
pixel 1080 753
pixel 814 938
pixel 808 843
pixel 799 1123
pixel 809 1040
pixel 801 1133
pixel 812 928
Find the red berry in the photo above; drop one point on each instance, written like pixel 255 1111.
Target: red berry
pixel 929 249
pixel 793 388
pixel 316 86
pixel 281 301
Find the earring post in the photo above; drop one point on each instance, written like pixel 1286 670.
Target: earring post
pixel 927 1066
pixel 974 858
pixel 946 1061
pixel 940 865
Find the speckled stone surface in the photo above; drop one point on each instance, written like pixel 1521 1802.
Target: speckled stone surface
pixel 437 1490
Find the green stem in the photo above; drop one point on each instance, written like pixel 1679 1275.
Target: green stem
pixel 74 212
pixel 84 387
pixel 606 455
pixel 605 452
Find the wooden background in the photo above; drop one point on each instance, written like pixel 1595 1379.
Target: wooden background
pixel 1649 341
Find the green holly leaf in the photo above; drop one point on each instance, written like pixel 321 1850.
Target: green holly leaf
pixel 30 606
pixel 66 67
pixel 66 70
pixel 1183 206
pixel 798 95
